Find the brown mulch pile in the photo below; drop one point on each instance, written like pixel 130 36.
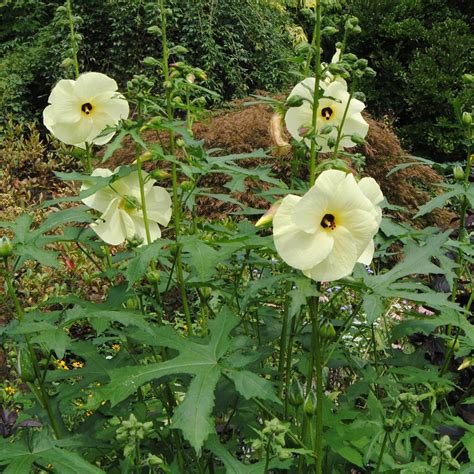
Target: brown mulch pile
pixel 246 129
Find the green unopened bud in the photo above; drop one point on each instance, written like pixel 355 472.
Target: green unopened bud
pixel 167 85
pixel 361 63
pixel 284 454
pixel 294 101
pixel 158 173
pixel 153 276
pixel 150 61
pixel 360 96
pixel 178 50
pixel 356 30
pixel 303 48
pixel 336 69
pixel 329 30
pixel 369 72
pixel 452 344
pixel 350 57
pixel 180 143
pixel 326 130
pixel 331 142
pixel 468 78
pixel 296 394
pixel 458 173
pixel 200 74
pixel 466 118
pixel 310 404
pixel 154 30
pixel 389 424
pixel 67 63
pixel 327 331
pixel 6 247
pixel 186 185
pixel 147 156
pixel 356 138
pixel 131 303
pixel 168 12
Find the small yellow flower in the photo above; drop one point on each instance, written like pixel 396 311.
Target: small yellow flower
pixel 116 347
pixel 62 364
pixel 10 391
pixel 78 364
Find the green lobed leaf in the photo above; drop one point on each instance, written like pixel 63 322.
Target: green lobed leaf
pixel 193 416
pixel 250 385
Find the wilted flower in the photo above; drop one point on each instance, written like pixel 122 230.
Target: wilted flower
pixel 80 110
pixel 122 214
pixel 332 105
pixel 328 230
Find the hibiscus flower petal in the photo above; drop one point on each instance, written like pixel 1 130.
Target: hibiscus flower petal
pixel 298 248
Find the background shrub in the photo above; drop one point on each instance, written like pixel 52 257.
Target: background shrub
pixel 420 49
pixel 239 44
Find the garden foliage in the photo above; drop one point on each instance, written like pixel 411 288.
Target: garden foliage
pixel 337 339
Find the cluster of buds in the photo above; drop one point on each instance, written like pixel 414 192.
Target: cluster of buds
pixel 273 436
pixel 444 457
pixel 132 431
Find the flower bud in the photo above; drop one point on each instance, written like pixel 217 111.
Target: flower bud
pixel 147 156
pixel 296 394
pixel 458 173
pixel 154 30
pixel 389 424
pixel 467 362
pixel 66 63
pixel 294 101
pixel 327 331
pixel 329 30
pixel 331 142
pixel 351 58
pixel 131 303
pixel 167 85
pixel 191 78
pixel 466 118
pixel 356 138
pixel 326 129
pixel 186 185
pixel 336 69
pixel 267 218
pixel 303 48
pixel 150 61
pixel 178 50
pixel 153 276
pixel 310 404
pixel 369 72
pixel 362 63
pixel 6 247
pixel 452 344
pixel 360 96
pixel 158 173
pixel 200 74
pixel 180 143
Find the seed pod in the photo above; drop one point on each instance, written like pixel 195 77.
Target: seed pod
pixel 310 404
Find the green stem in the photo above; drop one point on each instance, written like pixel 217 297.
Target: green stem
pixel 318 356
pixel 43 398
pixel 174 174
pixel 341 125
pixel 141 182
pixel 289 355
pixel 284 335
pixel 73 38
pixel 317 46
pixel 382 449
pixel 267 458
